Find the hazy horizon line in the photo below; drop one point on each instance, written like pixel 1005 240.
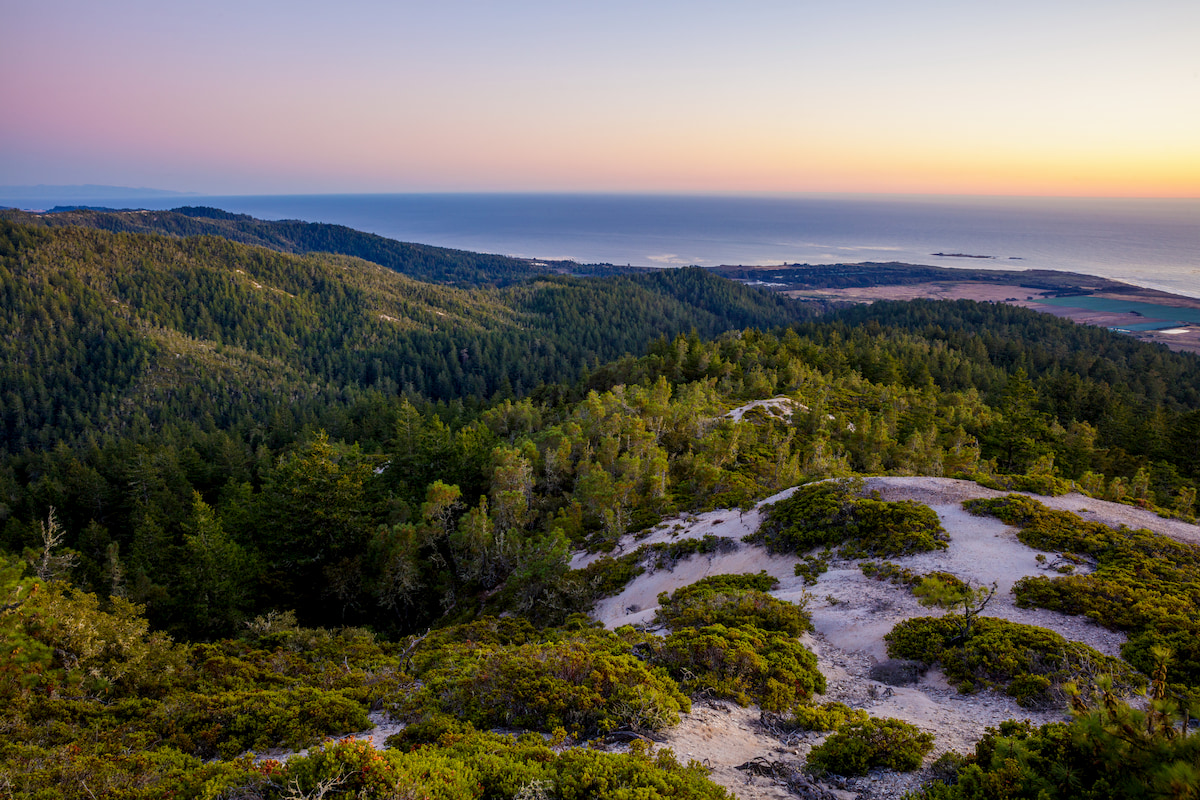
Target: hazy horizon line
pixel 131 192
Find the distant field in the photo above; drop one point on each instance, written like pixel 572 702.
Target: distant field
pixel 1117 306
pixel 1178 327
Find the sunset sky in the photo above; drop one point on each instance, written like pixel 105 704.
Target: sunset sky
pixel 264 96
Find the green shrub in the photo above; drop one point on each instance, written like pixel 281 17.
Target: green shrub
pixel 744 664
pixel 232 722
pixel 1028 662
pixel 349 660
pixel 1042 483
pixel 665 555
pixel 504 766
pixel 830 514
pixel 590 682
pixel 825 717
pixel 491 631
pixel 895 529
pixel 746 581
pixel 356 769
pixel 204 725
pixel 102 649
pixel 890 572
pixel 507 767
pixel 941 588
pixel 921 585
pixel 607 576
pixel 946 767
pixel 811 568
pixel 87 768
pixel 712 602
pixel 434 728
pixel 860 746
pixel 587 774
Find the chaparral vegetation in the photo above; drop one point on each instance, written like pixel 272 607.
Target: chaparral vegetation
pixel 261 484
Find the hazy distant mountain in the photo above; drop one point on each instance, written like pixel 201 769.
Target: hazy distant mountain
pixel 83 194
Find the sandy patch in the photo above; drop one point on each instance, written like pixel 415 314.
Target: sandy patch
pixel 778 407
pixel 724 736
pixel 934 491
pixel 852 613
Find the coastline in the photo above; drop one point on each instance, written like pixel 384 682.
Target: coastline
pixel 1149 315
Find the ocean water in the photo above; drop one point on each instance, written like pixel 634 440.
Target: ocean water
pixel 1151 243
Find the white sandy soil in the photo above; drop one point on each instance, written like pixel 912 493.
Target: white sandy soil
pixel 852 613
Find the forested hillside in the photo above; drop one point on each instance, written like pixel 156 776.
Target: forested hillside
pixel 147 378
pixel 418 261
pixel 237 486
pixel 132 332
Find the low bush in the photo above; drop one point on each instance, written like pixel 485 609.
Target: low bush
pixel 712 602
pixel 825 717
pixel 921 585
pixel 348 660
pixel 665 555
pixel 588 682
pixel 743 664
pixel 607 575
pixel 1042 483
pixel 232 722
pixel 356 769
pixel 811 568
pixel 942 589
pixel 505 767
pixel 746 581
pixel 88 768
pixel 890 572
pixel 1029 663
pixel 63 640
pixel 489 631
pixel 895 529
pixel 860 746
pixel 831 514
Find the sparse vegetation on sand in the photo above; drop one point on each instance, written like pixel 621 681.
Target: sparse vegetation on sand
pixel 1140 582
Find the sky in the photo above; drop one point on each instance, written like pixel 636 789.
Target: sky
pixel 1053 97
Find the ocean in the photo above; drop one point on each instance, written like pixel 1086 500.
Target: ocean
pixel 1150 243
